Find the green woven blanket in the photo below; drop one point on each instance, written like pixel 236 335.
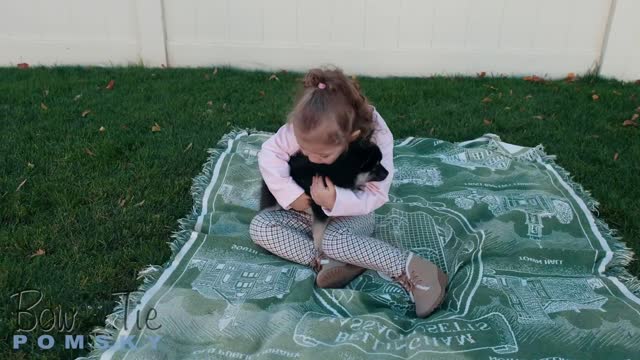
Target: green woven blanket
pixel 533 273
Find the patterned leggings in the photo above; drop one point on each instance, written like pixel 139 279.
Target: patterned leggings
pixel 288 234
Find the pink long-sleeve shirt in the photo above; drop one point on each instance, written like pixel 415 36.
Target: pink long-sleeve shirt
pixel 273 162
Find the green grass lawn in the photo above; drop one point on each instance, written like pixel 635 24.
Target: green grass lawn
pixel 103 204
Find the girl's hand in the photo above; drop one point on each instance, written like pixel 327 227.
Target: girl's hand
pixel 371 187
pixel 302 203
pixel 323 194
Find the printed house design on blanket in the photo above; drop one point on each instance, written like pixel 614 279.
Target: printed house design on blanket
pixel 409 172
pixel 536 205
pixel 472 158
pixel 494 155
pixel 236 280
pixel 534 298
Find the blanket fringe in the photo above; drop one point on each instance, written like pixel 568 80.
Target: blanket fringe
pixel 114 322
pixel 622 254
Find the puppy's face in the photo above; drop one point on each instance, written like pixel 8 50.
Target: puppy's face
pixel 371 169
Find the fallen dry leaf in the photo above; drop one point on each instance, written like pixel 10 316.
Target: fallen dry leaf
pixel 30 165
pixel 538 117
pixel 44 107
pixel 615 156
pixel 595 97
pixel 533 78
pixel 139 204
pixel 487 100
pixel 122 201
pixel 85 113
pixel 102 129
pixel 89 152
pixel 110 85
pixel 487 122
pixel 629 123
pixel 155 127
pixel 274 77
pixel 570 77
pixel 262 94
pixel 46 92
pixel 23 66
pixel 528 97
pixel 210 103
pixel 38 252
pixel 482 74
pixel 77 97
pixel 21 185
pixel 187 148
pixel 635 117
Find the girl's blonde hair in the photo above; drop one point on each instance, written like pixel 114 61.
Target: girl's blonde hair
pixel 330 96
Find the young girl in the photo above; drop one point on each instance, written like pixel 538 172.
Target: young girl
pixel 331 113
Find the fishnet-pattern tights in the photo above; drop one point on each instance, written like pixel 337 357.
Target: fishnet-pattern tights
pixel 287 233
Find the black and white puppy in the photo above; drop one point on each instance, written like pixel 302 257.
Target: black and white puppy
pixel 351 170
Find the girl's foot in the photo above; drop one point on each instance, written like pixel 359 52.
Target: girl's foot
pixel 425 282
pixel 333 274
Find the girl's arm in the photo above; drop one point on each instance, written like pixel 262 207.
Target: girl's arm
pixel 362 202
pixel 273 161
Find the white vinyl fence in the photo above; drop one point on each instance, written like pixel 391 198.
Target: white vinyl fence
pixel 372 37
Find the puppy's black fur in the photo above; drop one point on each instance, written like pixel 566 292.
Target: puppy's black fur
pixel 351 170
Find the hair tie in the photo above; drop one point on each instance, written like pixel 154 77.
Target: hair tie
pixel 322 86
